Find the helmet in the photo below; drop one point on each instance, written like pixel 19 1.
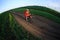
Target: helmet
pixel 27 9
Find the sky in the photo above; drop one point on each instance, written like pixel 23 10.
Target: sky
pixel 6 5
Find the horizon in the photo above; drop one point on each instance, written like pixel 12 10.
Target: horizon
pixel 11 4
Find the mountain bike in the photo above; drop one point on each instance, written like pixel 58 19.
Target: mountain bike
pixel 29 19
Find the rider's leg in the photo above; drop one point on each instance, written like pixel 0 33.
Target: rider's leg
pixel 26 18
pixel 30 16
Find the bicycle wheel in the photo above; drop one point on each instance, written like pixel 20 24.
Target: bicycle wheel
pixel 29 19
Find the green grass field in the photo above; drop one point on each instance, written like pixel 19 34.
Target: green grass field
pixel 10 29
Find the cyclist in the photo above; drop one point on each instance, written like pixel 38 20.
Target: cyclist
pixel 27 14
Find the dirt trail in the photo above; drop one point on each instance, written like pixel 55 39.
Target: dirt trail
pixel 40 26
pixel 29 27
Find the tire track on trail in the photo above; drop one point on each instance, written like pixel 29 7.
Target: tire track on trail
pixel 40 26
